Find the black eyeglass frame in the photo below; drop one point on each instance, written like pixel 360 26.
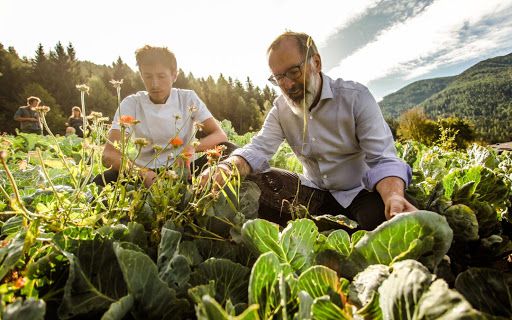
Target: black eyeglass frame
pixel 275 78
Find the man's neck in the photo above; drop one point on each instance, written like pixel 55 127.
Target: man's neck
pixel 157 102
pixel 318 94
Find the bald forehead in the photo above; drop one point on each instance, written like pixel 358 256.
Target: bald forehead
pixel 286 51
pixel 285 44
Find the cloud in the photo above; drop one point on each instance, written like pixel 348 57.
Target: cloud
pixel 447 32
pixel 366 26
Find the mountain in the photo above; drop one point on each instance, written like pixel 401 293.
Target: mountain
pixel 412 95
pixel 482 93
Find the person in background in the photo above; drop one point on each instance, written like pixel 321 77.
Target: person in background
pixel 70 131
pixel 338 133
pixel 167 118
pixel 76 121
pixel 28 117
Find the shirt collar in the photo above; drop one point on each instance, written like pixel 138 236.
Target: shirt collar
pixel 326 88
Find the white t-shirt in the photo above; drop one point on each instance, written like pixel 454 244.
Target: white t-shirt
pixel 159 123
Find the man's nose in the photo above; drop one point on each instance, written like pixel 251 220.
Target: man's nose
pixel 286 83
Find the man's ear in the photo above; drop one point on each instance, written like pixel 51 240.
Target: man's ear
pixel 175 76
pixel 317 62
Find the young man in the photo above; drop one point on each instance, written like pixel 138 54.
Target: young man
pixel 336 130
pixel 28 117
pixel 165 113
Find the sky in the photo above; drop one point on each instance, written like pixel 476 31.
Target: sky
pixel 383 44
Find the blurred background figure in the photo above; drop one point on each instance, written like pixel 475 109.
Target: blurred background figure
pixel 28 117
pixel 75 121
pixel 70 131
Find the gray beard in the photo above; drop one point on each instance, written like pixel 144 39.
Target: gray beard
pixel 301 107
pixel 298 108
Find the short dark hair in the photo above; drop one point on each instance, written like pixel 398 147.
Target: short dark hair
pixel 32 99
pixel 304 42
pixel 149 55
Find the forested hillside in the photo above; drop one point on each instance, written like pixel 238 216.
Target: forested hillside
pixel 482 93
pixel 53 75
pixel 411 95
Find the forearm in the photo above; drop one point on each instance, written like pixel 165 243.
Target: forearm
pixel 111 158
pixel 390 186
pixel 211 140
pixel 241 164
pixel 26 119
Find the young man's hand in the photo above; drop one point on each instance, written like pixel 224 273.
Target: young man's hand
pixel 149 177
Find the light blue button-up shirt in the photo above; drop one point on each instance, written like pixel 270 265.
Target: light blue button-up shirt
pixel 347 145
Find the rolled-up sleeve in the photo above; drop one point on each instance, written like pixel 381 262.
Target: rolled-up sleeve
pixel 376 141
pixel 263 146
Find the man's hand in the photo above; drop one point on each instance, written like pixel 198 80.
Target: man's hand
pixel 397 204
pixel 223 171
pixel 391 189
pixel 218 176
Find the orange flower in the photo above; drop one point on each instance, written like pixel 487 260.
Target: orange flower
pixel 127 120
pixel 4 243
pixel 176 142
pixel 20 282
pixel 184 160
pixel 216 152
pixel 187 155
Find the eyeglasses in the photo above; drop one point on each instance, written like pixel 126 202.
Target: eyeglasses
pixel 293 74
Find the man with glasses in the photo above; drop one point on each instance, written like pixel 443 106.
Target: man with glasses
pixel 338 133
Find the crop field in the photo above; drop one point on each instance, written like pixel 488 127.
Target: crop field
pixel 72 250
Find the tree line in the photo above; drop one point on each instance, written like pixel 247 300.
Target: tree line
pixel 53 75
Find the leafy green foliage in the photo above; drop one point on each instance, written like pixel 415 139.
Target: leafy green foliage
pixel 410 292
pixel 448 133
pixel 211 309
pixel 295 245
pixel 476 284
pixel 263 284
pixel 152 297
pixel 119 309
pixel 91 289
pixel 28 309
pixel 11 253
pixel 463 222
pixel 230 278
pixel 126 251
pixel 421 235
